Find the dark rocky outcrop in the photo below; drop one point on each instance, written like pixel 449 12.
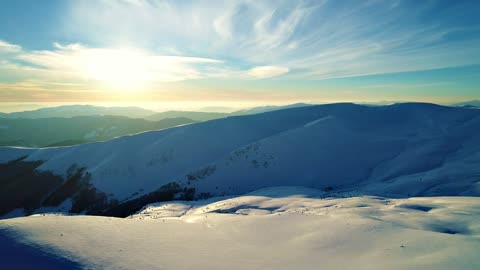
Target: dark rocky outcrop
pixel 23 186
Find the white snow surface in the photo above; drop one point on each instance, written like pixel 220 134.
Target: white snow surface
pixel 274 228
pixel 410 149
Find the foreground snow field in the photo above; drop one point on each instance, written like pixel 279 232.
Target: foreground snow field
pixel 274 228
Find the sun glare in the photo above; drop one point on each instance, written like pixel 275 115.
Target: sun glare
pixel 121 69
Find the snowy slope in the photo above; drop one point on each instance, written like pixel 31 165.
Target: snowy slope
pixel 398 150
pixel 401 150
pixel 276 228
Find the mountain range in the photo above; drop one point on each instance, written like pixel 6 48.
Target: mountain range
pixel 77 124
pixel 57 131
pixel 80 110
pixel 400 150
pixel 470 103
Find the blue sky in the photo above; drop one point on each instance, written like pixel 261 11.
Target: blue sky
pixel 239 51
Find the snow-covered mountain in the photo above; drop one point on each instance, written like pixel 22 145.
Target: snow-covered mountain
pixel 409 149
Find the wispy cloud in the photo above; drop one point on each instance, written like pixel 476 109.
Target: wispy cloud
pixel 318 40
pixel 8 47
pixel 267 71
pixel 78 62
pixel 270 35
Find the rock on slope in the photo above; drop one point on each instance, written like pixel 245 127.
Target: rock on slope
pixel 409 149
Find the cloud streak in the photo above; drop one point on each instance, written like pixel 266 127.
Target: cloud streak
pixel 316 39
pixel 267 71
pixel 6 47
pixel 129 67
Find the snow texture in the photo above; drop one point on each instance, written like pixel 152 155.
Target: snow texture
pixel 274 228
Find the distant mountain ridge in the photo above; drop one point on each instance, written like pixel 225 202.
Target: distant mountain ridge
pixel 77 124
pixel 137 112
pixel 474 103
pixel 263 109
pixel 81 110
pixel 47 132
pixel 68 111
pixel 196 116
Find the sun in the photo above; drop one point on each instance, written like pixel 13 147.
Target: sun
pixel 120 69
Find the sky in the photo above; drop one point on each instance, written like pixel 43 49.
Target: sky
pixel 238 53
